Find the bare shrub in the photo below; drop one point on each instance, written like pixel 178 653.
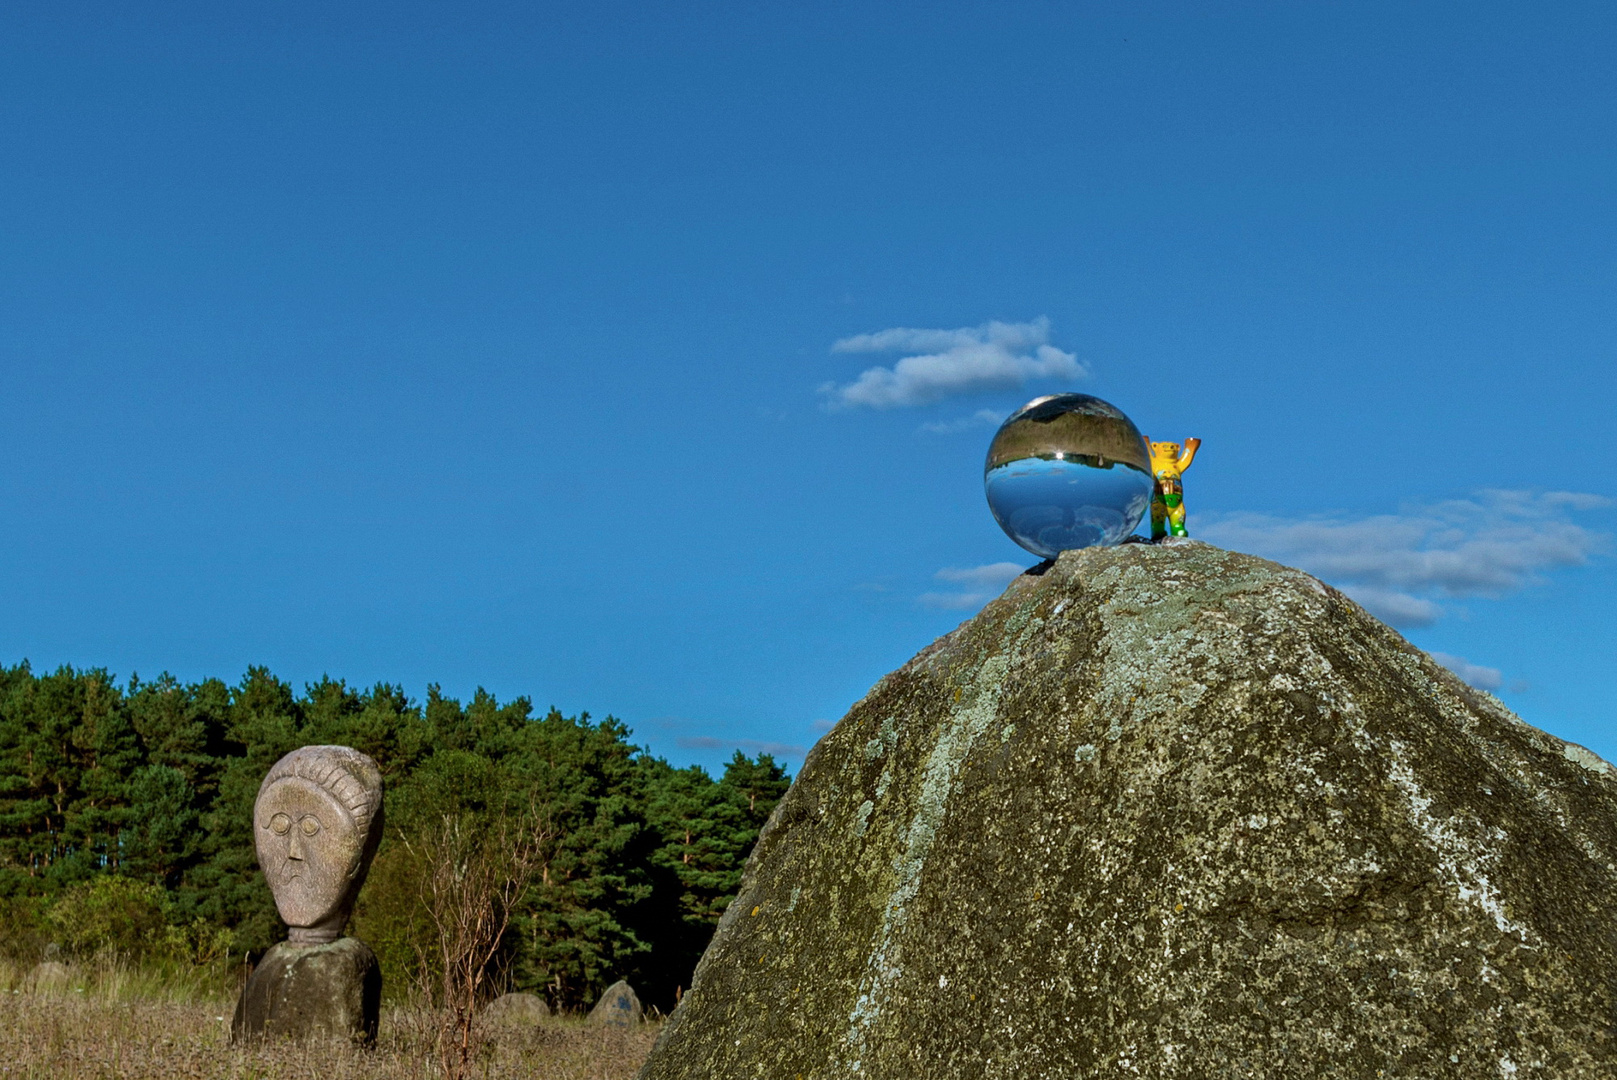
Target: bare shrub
pixel 472 877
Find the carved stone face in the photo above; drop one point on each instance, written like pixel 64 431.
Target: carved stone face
pixel 309 849
pixel 315 825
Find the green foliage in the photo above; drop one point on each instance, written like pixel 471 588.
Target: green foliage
pixel 108 913
pixel 704 832
pixel 25 927
pixel 198 943
pixel 126 826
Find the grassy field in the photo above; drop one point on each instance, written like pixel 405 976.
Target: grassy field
pixel 118 1024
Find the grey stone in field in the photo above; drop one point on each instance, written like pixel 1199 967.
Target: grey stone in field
pixel 618 1007
pixel 1170 812
pixel 330 990
pixel 49 975
pixel 516 1010
pixel 316 824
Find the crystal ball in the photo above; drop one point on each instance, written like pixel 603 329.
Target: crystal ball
pixel 1067 471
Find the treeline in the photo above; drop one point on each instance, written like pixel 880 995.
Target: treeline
pixel 126 821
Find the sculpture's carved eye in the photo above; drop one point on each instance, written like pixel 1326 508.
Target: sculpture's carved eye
pixel 311 825
pixel 280 823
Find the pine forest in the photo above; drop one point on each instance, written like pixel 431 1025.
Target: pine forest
pixel 126 827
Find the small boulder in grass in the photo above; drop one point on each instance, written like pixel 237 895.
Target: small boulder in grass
pixel 618 1007
pixel 516 1011
pixel 50 975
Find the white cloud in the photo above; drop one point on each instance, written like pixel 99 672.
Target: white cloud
pixel 945 363
pixel 953 601
pixel 998 575
pixel 1483 678
pixel 1400 566
pixel 980 585
pixel 980 418
pixel 1394 607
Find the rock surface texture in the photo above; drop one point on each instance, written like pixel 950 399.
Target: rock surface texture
pixel 332 990
pixel 1170 811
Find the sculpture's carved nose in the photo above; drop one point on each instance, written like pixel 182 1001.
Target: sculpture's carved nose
pixel 294 847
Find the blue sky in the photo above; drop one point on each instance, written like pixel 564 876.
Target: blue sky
pixel 641 358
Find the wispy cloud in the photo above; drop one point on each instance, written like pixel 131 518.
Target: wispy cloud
pixel 996 575
pixel 978 419
pixel 946 363
pixel 1394 607
pixel 749 746
pixel 1402 566
pixel 975 585
pixel 1483 678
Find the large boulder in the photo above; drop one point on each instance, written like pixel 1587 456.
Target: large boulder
pixel 1170 811
pixel 325 991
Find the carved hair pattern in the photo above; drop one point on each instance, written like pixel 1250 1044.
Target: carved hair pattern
pixel 350 776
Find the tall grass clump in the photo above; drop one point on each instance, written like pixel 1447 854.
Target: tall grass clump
pixel 105 982
pixel 68 1034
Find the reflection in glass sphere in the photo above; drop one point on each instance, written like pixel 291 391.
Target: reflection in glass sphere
pixel 1067 471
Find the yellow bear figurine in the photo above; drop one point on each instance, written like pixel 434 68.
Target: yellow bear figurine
pixel 1168 493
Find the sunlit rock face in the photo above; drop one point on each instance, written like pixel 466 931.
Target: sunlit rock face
pixel 1170 812
pixel 1067 471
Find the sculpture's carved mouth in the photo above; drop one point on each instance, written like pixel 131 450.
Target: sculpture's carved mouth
pixel 286 875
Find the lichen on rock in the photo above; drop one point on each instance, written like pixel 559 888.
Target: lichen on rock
pixel 1170 811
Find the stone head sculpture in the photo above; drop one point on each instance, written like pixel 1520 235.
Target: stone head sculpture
pixel 316 824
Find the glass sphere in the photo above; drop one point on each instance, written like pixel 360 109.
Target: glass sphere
pixel 1067 471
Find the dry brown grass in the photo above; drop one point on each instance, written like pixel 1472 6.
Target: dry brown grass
pixel 76 1033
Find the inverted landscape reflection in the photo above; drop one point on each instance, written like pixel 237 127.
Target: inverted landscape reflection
pixel 1067 471
pixel 1053 506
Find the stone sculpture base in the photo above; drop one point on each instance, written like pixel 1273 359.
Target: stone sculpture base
pixel 311 992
